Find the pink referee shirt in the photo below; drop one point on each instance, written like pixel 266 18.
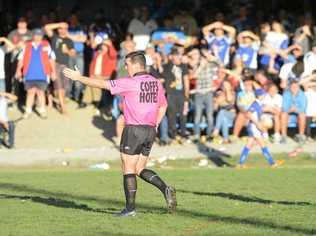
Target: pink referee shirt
pixel 143 95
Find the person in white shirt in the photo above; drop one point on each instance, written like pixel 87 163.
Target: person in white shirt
pixel 272 106
pixel 310 59
pixel 6 46
pixel 141 26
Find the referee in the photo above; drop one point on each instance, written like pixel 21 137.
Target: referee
pixel 145 105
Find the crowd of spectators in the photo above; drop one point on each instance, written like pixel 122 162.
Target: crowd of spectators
pixel 210 66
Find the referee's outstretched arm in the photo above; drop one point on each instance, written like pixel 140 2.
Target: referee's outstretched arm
pixel 76 76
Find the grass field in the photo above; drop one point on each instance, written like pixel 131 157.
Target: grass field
pixel 221 201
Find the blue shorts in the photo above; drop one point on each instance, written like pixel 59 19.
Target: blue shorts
pixel 297 102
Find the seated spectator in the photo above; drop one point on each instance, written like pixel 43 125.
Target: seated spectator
pixel 310 93
pixel 262 80
pixel 5 123
pixel 37 61
pixel 310 59
pixel 225 106
pixel 246 53
pixel 272 106
pixel 294 102
pixel 219 42
pixel 292 70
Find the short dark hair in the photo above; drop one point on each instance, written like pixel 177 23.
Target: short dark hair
pixel 137 57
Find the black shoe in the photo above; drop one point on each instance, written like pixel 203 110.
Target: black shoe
pixel 82 105
pixel 125 213
pixel 11 132
pixel 171 200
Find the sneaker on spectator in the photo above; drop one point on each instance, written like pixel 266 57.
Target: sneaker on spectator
pixel 43 115
pixel 276 138
pixel 300 138
pixel 26 115
pixel 283 140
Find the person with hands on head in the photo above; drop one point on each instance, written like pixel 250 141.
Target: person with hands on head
pixel 144 105
pixel 63 47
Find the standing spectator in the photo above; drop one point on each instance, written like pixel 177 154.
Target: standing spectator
pixel 64 49
pixel 5 122
pixel 37 61
pixel 177 88
pixel 79 37
pixel 102 67
pixel 219 42
pixel 6 46
pixel 141 26
pixel 185 22
pixel 249 44
pixel 18 37
pixel 305 34
pixel 204 72
pixel 225 104
pixel 272 106
pixel 274 44
pixel 294 101
pixel 243 21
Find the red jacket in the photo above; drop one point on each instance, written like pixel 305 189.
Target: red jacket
pixel 44 57
pixel 108 62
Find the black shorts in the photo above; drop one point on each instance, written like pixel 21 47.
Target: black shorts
pixel 39 84
pixel 137 139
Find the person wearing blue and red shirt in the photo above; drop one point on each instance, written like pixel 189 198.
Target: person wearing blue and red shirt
pixel 36 66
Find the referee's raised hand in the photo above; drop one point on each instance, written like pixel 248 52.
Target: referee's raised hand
pixel 71 74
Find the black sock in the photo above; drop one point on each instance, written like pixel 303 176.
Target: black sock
pixel 151 177
pixel 130 187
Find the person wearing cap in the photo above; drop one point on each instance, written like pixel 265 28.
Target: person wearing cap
pixel 35 67
pixel 294 102
pixel 218 41
pixel 144 106
pixel 63 47
pixel 255 129
pixel 176 78
pixel 248 46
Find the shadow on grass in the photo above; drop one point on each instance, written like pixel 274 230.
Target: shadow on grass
pixel 146 208
pixel 214 155
pixel 247 199
pixel 56 202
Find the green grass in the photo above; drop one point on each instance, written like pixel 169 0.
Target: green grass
pixel 221 201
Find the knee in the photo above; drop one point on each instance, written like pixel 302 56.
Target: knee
pixel 139 170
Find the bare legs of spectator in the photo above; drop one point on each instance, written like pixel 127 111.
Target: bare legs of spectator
pixel 41 103
pixel 277 126
pixel 61 100
pixel 240 122
pixel 301 126
pixel 30 98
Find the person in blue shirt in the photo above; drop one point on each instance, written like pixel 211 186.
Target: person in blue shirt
pixel 256 127
pixel 246 53
pixel 219 40
pixel 294 102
